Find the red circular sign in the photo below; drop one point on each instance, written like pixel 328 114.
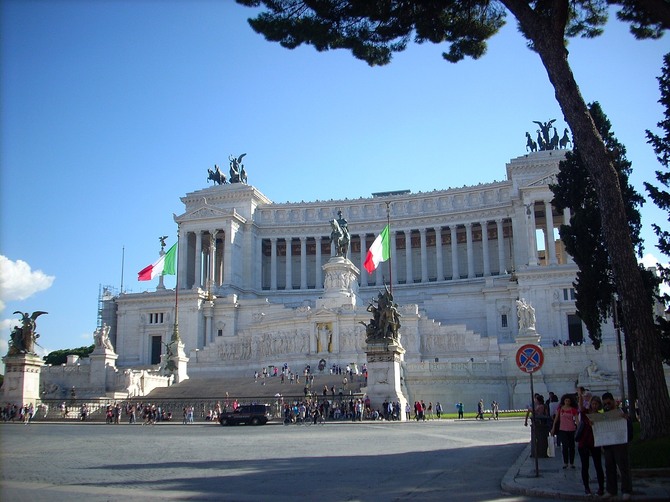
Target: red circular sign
pixel 529 358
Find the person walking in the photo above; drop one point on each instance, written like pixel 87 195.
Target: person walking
pixel 564 426
pixel 459 408
pixel 586 447
pixel 480 410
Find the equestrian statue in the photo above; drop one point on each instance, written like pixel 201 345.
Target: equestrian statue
pixel 340 235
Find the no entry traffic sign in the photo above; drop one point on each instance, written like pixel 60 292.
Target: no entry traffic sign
pixel 529 358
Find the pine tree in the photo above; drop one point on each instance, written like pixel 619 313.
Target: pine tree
pixel 595 286
pixel 660 196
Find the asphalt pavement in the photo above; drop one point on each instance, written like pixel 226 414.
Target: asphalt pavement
pixel 336 461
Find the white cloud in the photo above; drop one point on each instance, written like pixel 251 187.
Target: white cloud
pixel 18 281
pixel 649 260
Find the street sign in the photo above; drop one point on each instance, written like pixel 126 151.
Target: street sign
pixel 529 358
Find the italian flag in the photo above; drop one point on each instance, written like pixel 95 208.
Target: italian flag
pixel 379 251
pixel 164 266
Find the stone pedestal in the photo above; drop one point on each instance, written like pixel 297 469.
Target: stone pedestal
pixel 22 379
pixel 528 335
pixel 180 362
pixel 383 364
pixel 102 359
pixel 340 284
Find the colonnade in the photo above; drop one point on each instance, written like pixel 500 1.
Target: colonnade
pixel 421 255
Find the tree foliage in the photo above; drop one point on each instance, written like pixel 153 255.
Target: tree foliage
pixel 661 196
pixel 58 357
pixel 374 29
pixel 583 237
pixel 647 18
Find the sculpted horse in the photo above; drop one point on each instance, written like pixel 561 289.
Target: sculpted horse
pixel 530 144
pixel 340 237
pixel 563 142
pixel 216 176
pixel 237 169
pixel 554 141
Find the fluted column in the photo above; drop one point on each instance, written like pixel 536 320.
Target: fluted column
pixel 455 273
pixel 207 311
pixel 258 258
pixel 364 252
pixel 318 280
pixel 566 221
pixel 198 260
pixel 424 255
pixel 182 252
pixel 394 257
pixel 485 247
pixel 551 242
pixel 501 246
pixel 273 263
pixel 438 254
pixel 229 235
pixel 212 260
pixel 289 263
pixel 470 252
pixel 532 237
pixel 303 262
pixel 409 273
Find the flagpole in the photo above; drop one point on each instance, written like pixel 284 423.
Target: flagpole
pixel 123 261
pixel 175 332
pixel 388 223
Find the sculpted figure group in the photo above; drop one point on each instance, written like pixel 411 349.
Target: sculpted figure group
pixel 101 338
pixel 237 172
pixel 545 140
pixel 22 339
pixel 526 314
pixel 385 322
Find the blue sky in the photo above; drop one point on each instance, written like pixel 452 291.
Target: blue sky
pixel 111 111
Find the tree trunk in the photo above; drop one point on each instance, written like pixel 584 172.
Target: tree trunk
pixel 547 36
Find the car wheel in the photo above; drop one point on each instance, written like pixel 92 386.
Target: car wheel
pixel 224 421
pixel 255 421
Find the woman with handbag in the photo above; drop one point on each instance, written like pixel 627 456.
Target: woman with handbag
pixel 565 425
pixel 586 448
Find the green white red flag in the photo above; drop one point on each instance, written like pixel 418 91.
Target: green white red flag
pixel 379 251
pixel 166 265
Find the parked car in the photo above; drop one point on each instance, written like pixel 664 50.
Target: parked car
pixel 254 414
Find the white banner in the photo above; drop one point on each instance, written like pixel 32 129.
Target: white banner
pixel 609 428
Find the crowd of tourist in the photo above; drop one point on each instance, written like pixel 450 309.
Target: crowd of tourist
pixel 569 421
pixel 13 412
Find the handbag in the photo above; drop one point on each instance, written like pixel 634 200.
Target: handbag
pixel 551 448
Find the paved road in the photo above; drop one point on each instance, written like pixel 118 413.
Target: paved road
pixel 366 461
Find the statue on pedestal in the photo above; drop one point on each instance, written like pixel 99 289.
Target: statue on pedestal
pixel 22 339
pixel 170 365
pixel 101 337
pixel 385 322
pixel 216 176
pixel 237 172
pixel 340 235
pixel 526 315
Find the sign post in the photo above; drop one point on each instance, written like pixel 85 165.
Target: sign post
pixel 529 359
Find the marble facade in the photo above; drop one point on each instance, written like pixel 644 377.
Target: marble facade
pixel 256 287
